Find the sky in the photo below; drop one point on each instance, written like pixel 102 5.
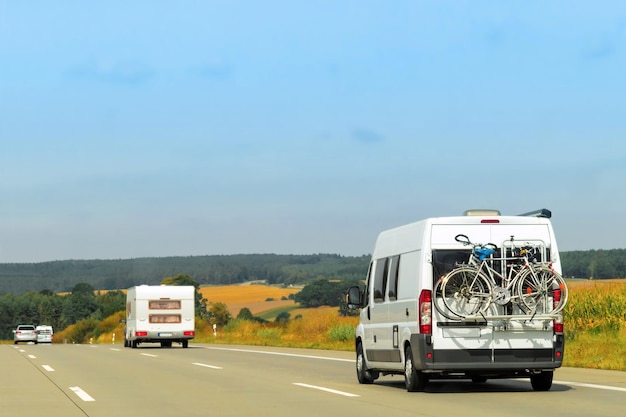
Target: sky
pixel 158 128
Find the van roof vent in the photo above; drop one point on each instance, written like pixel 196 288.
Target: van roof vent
pixel 481 212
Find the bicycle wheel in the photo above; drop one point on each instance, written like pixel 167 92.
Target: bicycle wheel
pixel 466 292
pixel 538 289
pixel 439 303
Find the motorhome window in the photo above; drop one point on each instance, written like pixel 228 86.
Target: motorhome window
pixel 380 279
pixel 393 277
pixel 164 318
pixel 164 304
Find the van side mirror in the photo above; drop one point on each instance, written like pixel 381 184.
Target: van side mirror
pixel 354 298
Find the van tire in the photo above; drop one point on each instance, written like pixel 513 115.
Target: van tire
pixel 413 379
pixel 185 344
pixel 542 381
pixel 364 375
pixel 134 344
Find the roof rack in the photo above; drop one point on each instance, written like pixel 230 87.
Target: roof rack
pixel 539 213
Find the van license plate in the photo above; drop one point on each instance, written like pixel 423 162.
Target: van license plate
pixel 165 335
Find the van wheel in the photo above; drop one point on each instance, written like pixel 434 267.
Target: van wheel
pixel 185 344
pixel 542 381
pixel 364 375
pixel 134 344
pixel 413 379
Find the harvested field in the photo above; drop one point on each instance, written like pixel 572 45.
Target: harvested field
pixel 253 296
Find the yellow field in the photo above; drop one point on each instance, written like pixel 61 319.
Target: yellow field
pixel 251 296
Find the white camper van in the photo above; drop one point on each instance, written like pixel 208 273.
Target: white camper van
pixel 45 334
pixel 415 321
pixel 159 314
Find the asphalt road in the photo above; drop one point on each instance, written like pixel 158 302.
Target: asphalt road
pixel 244 381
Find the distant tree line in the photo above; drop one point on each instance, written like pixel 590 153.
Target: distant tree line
pixel 62 276
pixel 596 264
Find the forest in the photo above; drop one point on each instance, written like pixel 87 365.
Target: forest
pixel 62 276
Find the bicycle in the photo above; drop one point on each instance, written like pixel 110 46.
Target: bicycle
pixel 472 288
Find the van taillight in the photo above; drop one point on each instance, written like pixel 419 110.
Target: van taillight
pixel 556 300
pixel 189 333
pixel 141 334
pixel 425 312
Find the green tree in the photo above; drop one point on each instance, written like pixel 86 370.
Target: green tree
pixel 321 293
pixel 218 314
pixel 110 303
pixel 245 314
pixel 180 279
pixel 80 304
pixel 283 317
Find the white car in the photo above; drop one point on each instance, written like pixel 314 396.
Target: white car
pixel 25 333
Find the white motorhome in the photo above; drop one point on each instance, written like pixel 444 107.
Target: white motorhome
pixel 402 328
pixel 159 314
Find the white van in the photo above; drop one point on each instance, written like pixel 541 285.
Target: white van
pixel 45 334
pixel 405 329
pixel 160 314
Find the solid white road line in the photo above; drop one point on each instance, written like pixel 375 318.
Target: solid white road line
pixel 82 394
pixel 48 368
pixel 332 391
pixel 207 366
pixel 580 384
pixel 282 354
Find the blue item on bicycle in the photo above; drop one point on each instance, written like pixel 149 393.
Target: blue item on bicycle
pixel 482 253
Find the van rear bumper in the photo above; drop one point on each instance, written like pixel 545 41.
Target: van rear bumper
pixel 162 335
pixel 451 360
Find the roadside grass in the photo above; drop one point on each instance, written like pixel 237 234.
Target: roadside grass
pixel 320 328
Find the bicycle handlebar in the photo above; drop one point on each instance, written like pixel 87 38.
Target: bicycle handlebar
pixel 461 238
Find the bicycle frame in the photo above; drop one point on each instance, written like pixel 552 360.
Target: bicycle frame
pixel 471 288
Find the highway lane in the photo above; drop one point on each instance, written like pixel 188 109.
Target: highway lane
pixel 215 380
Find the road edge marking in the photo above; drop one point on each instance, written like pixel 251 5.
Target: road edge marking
pixel 332 391
pixel 585 385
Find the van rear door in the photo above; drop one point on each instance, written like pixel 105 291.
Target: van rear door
pixel 485 340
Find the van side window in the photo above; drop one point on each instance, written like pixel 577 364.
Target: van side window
pixel 380 279
pixel 393 277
